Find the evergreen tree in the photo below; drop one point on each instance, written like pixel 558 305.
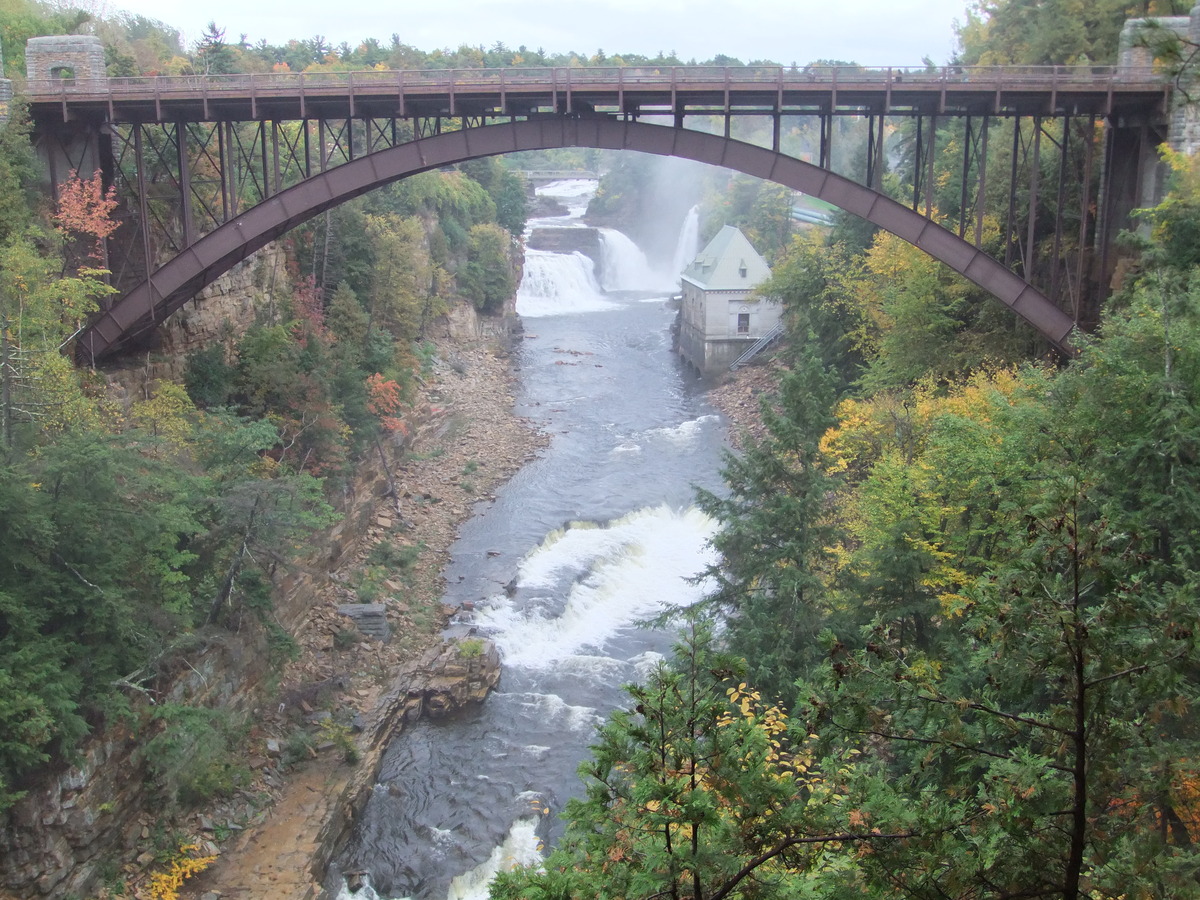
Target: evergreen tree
pixel 774 532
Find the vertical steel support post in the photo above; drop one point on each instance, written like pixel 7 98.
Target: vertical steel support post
pixel 728 111
pixel 931 153
pixel 968 137
pixel 276 175
pixel 262 154
pixel 918 163
pixel 185 183
pixel 880 161
pixel 233 167
pixel 870 150
pixel 1012 193
pixel 826 124
pixel 1035 176
pixel 1085 206
pixel 981 190
pixel 1104 227
pixel 143 212
pixel 307 149
pixel 223 162
pixel 1064 152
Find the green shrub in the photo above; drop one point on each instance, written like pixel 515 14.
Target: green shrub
pixel 393 556
pixel 299 746
pixel 342 738
pixel 471 648
pixel 194 755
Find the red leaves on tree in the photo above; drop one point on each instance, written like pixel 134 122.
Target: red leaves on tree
pixel 85 211
pixel 384 401
pixel 309 306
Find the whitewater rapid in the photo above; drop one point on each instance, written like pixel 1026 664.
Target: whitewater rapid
pixel 587 542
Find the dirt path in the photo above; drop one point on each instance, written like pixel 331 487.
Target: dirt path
pixel 470 443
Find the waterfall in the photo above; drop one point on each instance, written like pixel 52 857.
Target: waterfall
pixel 557 283
pixel 573 193
pixel 612 575
pixel 688 244
pixel 625 265
pixel 521 848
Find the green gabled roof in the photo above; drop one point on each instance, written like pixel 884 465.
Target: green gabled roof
pixel 728 263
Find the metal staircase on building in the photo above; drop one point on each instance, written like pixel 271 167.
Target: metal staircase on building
pixel 758 347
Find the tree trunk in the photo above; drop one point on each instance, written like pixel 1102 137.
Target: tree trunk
pixel 6 377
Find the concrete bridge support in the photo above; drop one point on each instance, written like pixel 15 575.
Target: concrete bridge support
pixel 70 146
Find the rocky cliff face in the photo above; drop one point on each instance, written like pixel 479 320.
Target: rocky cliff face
pixel 75 825
pixel 569 240
pixel 80 823
pixel 219 314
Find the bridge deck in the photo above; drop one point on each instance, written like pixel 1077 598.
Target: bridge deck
pixel 643 91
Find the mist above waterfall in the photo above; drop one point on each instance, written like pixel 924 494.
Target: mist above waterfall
pixel 571 267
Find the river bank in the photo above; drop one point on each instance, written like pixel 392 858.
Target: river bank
pixel 739 398
pixel 469 441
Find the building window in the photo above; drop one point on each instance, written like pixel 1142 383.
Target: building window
pixel 743 323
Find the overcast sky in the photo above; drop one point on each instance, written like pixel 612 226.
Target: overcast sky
pixel 871 32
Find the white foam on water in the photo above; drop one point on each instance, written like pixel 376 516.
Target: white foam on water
pixel 366 892
pixel 522 847
pixel 553 708
pixel 570 187
pixel 573 193
pixel 645 663
pixel 596 668
pixel 682 433
pixel 558 283
pixel 624 572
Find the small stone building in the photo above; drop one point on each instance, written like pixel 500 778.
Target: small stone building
pixel 719 319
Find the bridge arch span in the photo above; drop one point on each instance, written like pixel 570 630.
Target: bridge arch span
pixel 171 285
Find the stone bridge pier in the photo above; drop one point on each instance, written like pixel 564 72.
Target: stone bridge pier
pixel 76 59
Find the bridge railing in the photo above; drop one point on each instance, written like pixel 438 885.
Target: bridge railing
pixel 665 77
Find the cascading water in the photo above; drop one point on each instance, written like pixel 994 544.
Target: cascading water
pixel 556 283
pixel 688 244
pixel 626 267
pixel 596 534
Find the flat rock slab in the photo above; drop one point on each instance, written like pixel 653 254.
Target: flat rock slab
pixel 369 618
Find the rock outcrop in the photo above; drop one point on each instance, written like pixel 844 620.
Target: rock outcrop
pixel 452 678
pixel 568 240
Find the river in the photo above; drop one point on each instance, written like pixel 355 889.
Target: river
pixel 596 534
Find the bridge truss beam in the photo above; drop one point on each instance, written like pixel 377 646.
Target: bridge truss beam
pixel 171 285
pixel 192 156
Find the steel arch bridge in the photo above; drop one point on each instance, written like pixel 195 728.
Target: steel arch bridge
pixel 213 169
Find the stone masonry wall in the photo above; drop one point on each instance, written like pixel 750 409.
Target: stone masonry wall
pixel 76 56
pixel 1184 122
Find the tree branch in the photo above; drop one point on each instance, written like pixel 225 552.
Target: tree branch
pixel 787 843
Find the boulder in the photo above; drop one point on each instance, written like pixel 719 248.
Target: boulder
pixel 369 618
